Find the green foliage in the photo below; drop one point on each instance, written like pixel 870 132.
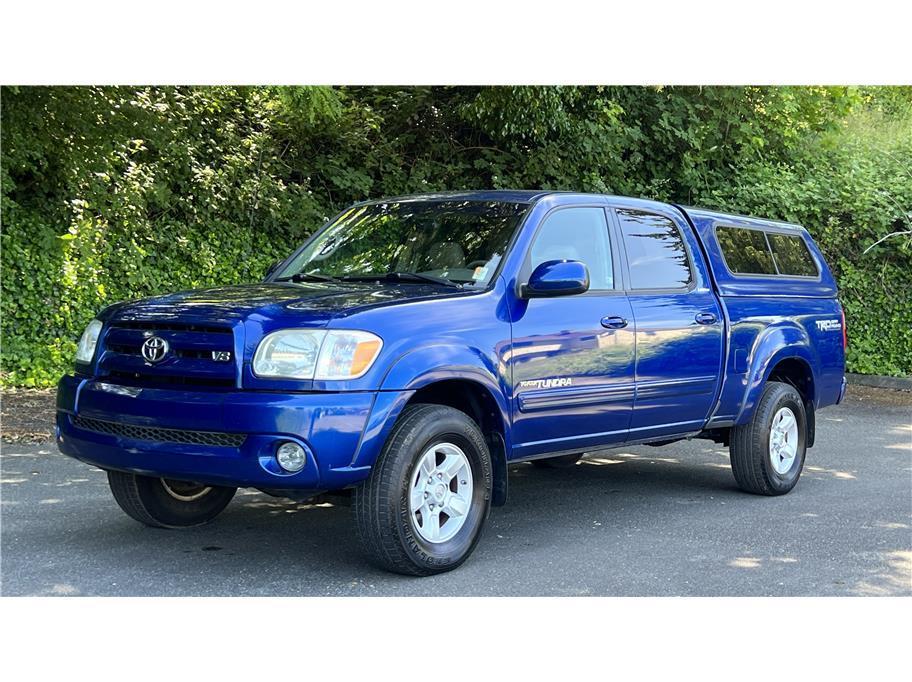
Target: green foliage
pixel 850 187
pixel 116 193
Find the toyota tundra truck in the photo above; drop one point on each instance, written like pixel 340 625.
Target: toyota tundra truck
pixel 415 347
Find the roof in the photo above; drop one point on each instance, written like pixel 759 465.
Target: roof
pixel 721 216
pixel 519 196
pixel 529 196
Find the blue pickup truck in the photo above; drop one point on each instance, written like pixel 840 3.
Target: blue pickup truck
pixel 415 346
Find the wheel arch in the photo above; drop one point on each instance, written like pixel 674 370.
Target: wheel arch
pixel 470 368
pixel 797 372
pixel 782 354
pixel 478 402
pixel 465 378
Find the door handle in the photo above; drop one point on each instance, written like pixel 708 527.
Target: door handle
pixel 614 322
pixel 705 318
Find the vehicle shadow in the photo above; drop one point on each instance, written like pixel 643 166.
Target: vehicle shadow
pixel 260 544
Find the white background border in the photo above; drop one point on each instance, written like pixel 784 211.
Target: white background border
pixel 510 639
pixel 469 42
pixel 465 42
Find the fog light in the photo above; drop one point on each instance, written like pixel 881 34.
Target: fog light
pixel 291 457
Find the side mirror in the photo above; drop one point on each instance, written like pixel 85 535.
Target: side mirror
pixel 270 271
pixel 557 278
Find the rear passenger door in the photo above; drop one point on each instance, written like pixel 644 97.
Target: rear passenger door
pixel 678 320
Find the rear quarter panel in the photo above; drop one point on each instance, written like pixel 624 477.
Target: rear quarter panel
pixel 763 331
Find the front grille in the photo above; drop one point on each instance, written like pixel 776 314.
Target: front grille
pixel 153 433
pixel 190 360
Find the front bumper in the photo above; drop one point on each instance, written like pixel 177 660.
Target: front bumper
pixel 341 432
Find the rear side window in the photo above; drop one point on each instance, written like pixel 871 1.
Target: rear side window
pixel 656 254
pixel 745 251
pixel 757 252
pixel 792 255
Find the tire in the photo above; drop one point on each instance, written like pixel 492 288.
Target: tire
pixel 167 503
pixel 395 518
pixel 755 463
pixel 562 462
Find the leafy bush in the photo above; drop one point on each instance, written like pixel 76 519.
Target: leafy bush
pixel 117 193
pixel 849 189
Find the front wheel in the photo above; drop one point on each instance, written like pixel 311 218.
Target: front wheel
pixel 422 509
pixel 767 453
pixel 168 503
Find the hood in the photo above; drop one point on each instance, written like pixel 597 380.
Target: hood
pixel 313 303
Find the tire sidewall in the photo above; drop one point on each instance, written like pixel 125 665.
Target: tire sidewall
pixel 450 554
pixel 785 396
pixel 178 513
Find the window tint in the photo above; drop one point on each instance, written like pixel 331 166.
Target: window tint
pixel 745 251
pixel 577 234
pixel 656 254
pixel 792 255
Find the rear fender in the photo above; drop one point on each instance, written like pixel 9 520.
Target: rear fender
pixel 775 344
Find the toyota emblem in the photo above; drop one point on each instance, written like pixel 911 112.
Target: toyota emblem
pixel 154 349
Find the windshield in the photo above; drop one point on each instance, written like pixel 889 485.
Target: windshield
pixel 448 242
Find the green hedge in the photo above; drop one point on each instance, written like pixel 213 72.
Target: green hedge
pixel 849 196
pixel 117 193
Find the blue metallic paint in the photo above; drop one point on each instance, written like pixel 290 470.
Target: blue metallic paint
pixel 557 278
pixel 661 374
pixel 329 424
pixel 564 338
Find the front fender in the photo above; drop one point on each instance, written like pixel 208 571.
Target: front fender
pixel 777 343
pixel 438 362
pixel 419 368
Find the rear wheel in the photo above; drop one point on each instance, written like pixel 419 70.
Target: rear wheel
pixel 767 453
pixel 423 508
pixel 168 503
pixel 562 462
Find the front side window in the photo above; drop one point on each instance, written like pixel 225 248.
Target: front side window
pixel 451 242
pixel 792 255
pixel 745 251
pixel 656 253
pixel 579 234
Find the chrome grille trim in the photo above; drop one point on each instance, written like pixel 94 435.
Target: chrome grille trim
pixel 140 325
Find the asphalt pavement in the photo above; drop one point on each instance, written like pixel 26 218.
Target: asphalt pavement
pixel 637 521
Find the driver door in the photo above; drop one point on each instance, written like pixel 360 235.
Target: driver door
pixel 572 357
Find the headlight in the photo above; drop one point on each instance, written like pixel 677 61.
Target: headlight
pixel 85 351
pixel 347 354
pixel 316 354
pixel 290 353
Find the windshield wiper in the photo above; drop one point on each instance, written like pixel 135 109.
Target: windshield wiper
pixel 402 276
pixel 308 277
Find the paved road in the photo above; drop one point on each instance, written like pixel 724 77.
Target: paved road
pixel 638 521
